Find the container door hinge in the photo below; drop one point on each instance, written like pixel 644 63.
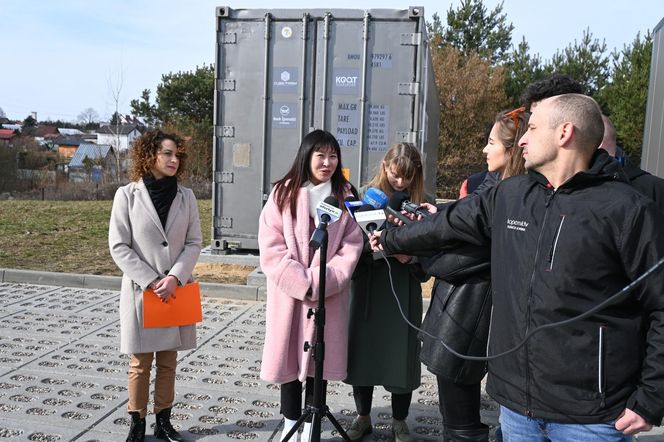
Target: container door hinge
pixel 406 137
pixel 223 222
pixel 225 131
pixel 225 85
pixel 408 88
pixel 227 38
pixel 224 177
pixel 411 38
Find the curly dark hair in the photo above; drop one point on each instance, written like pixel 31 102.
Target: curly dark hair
pixel 556 84
pixel 143 153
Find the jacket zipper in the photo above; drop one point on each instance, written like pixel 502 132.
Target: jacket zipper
pixel 552 252
pixel 601 357
pixel 547 203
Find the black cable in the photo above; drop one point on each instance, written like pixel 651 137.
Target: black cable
pixel 531 333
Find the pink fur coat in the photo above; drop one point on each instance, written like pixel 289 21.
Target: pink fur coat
pixel 283 241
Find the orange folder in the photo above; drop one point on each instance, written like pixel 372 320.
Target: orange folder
pixel 185 309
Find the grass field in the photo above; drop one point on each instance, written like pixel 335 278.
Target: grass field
pixel 72 237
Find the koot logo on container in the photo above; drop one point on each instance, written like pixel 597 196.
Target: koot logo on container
pixel 346 81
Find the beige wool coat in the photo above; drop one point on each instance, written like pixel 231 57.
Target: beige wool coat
pixel 145 251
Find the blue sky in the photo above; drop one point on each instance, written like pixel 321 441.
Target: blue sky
pixel 61 57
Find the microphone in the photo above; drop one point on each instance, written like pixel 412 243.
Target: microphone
pixel 411 207
pixel 394 206
pixel 375 197
pixel 368 218
pixel 352 205
pixel 328 212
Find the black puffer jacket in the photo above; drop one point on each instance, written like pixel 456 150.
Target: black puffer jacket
pixel 459 313
pixel 554 255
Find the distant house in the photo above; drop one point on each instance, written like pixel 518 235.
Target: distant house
pixel 44 135
pixel 102 155
pixel 126 133
pixel 67 132
pixel 66 146
pixel 43 131
pixel 6 136
pixel 12 126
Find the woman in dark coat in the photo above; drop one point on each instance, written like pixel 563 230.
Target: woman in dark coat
pixel 460 309
pixel 382 348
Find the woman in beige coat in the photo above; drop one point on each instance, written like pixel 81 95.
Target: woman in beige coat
pixel 155 239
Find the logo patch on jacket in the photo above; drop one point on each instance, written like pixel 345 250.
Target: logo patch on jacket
pixel 515 224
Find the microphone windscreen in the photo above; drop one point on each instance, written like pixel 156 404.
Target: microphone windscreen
pixel 375 197
pixel 332 201
pixel 397 199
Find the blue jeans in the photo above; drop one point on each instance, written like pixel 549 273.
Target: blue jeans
pixel 519 428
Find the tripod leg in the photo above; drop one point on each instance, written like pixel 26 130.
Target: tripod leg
pixel 337 425
pixel 292 431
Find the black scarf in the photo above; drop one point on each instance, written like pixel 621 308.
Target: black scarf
pixel 162 192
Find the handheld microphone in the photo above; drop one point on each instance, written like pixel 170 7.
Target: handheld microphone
pixel 328 212
pixel 411 207
pixel 394 206
pixel 352 205
pixel 375 197
pixel 368 218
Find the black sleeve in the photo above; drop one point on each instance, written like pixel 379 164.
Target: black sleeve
pixel 465 221
pixel 489 181
pixel 642 245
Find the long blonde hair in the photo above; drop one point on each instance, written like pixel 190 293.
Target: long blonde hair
pixel 407 162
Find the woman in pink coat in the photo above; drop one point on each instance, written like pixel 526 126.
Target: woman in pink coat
pixel 292 270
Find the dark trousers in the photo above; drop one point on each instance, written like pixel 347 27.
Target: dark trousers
pixel 459 404
pixel 364 395
pixel 291 398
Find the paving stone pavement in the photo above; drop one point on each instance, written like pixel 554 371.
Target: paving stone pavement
pixel 62 377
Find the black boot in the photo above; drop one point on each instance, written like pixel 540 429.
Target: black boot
pixel 469 435
pixel 136 428
pixel 163 429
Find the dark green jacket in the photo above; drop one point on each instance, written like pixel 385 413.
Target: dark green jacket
pixel 382 348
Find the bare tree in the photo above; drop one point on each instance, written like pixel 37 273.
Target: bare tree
pixel 2 113
pixel 88 116
pixel 115 87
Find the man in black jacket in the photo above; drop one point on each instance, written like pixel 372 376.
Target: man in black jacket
pixel 557 84
pixel 649 185
pixel 564 238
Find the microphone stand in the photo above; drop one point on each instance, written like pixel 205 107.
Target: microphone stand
pixel 318 408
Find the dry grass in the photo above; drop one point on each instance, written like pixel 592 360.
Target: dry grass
pixel 72 237
pixel 222 273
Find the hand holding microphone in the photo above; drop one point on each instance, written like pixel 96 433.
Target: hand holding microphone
pixel 374 240
pixel 402 211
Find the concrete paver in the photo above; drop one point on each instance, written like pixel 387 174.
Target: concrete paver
pixel 62 376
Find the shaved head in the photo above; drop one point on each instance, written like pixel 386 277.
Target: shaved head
pixel 584 113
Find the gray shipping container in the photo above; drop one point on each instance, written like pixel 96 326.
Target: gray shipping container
pixel 652 156
pixel 365 76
